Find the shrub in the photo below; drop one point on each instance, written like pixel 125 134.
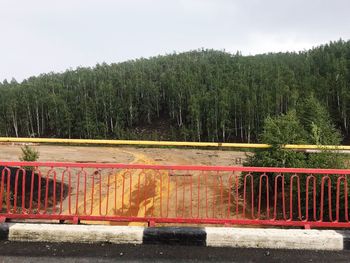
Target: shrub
pixel 308 124
pixel 29 154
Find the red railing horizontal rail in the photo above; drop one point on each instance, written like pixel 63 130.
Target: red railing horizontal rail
pixel 128 193
pixel 179 167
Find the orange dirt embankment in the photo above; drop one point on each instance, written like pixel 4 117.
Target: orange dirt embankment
pixel 146 192
pixel 149 193
pixel 140 192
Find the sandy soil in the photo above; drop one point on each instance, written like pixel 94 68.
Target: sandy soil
pixel 125 155
pixel 142 193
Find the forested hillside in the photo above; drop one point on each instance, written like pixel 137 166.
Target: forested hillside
pixel 202 95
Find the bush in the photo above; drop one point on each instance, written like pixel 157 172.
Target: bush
pixel 308 124
pixel 29 154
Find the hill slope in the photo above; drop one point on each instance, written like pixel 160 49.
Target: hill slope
pixel 198 95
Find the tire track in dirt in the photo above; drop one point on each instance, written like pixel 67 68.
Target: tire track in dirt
pixel 152 193
pixel 130 204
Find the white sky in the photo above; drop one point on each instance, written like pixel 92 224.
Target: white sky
pixel 39 36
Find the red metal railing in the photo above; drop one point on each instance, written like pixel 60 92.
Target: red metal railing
pixel 118 193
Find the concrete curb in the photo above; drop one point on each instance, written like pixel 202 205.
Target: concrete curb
pixel 195 236
pixel 275 238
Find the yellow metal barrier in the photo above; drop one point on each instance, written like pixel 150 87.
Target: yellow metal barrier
pixel 169 143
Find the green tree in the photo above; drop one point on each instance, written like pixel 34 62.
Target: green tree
pixel 317 122
pixel 289 129
pixel 203 94
pixel 278 131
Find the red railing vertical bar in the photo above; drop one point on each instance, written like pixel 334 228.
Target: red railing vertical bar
pixel 8 205
pixel 144 192
pixel 15 195
pixel 206 193
pixel 215 188
pixel 199 177
pixel 62 189
pixel 2 190
pixel 154 184
pixel 138 189
pixel 264 176
pixel 85 192
pixel 46 191
pixel 168 194
pixel 221 196
pixel 237 195
pixel 54 192
pixel 345 187
pixel 183 194
pixel 275 208
pixel 69 192
pixel 123 192
pixel 77 192
pixel 308 178
pixel 160 174
pixel 176 203
pixel 107 195
pixel 291 193
pixel 24 210
pixel 92 195
pixel 245 207
pixel 228 215
pixel 116 192
pixel 326 178
pixel 39 190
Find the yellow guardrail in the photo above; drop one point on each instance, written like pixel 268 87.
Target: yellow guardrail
pixel 170 143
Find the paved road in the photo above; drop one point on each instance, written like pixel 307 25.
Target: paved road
pixel 52 253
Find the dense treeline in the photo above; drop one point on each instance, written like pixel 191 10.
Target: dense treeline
pixel 198 95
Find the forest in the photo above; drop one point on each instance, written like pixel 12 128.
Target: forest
pixel 200 95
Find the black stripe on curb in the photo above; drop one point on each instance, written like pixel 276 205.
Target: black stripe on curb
pixel 4 231
pixel 346 238
pixel 193 236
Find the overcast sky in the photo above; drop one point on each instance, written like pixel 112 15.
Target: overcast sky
pixel 39 36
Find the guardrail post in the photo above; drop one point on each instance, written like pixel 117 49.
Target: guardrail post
pixel 76 220
pixel 307 227
pixel 2 219
pixel 151 223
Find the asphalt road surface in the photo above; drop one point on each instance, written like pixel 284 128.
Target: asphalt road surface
pixel 63 252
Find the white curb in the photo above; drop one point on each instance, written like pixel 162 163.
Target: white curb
pixel 274 238
pixel 76 233
pixel 209 236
